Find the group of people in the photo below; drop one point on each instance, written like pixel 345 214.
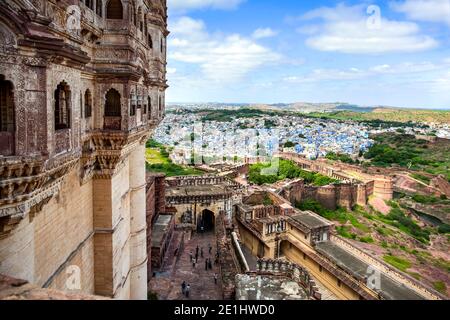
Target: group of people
pixel 186 287
pixel 199 251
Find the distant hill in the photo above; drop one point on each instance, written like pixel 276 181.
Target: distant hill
pixel 336 110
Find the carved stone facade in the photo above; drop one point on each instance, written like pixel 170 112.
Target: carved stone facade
pixel 81 88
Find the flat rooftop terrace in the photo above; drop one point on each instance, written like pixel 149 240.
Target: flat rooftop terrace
pixel 390 288
pixel 311 220
pixel 192 191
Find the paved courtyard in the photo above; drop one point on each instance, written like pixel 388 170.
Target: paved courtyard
pixel 167 284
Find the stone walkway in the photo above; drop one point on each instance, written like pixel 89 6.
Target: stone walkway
pixel 167 285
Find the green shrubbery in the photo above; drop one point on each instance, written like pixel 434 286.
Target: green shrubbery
pixel 440 286
pixel 400 263
pixel 398 149
pixel 421 177
pixel 340 157
pixel 407 151
pixel 425 199
pixel 287 170
pixel 398 219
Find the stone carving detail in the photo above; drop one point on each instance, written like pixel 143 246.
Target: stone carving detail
pixel 22 179
pixel 291 270
pixel 11 216
pixel 73 22
pixel 107 150
pixel 7 40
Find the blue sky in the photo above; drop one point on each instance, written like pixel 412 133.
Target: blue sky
pixel 391 53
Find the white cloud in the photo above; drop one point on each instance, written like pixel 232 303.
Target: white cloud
pixel 407 68
pixel 345 29
pixel 424 10
pixel 264 33
pixel 220 57
pixel 171 70
pixel 201 4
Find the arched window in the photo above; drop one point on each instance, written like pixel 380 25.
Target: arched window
pixel 114 9
pixel 62 106
pixel 132 103
pixel 150 41
pixel 149 102
pixel 7 117
pixel 99 8
pixel 87 104
pixel 139 101
pixel 112 106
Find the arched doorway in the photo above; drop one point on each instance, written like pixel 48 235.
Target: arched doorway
pixel 7 118
pixel 207 221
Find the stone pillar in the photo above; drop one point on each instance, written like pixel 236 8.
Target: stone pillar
pixel 138 225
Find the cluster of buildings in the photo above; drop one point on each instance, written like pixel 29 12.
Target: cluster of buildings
pixel 268 246
pixel 259 136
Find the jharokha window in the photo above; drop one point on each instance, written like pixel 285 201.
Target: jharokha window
pixel 87 104
pixel 7 118
pixel 62 106
pixel 112 106
pixel 114 9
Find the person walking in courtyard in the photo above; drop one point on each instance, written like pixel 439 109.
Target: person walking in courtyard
pixel 209 248
pixel 194 262
pixel 196 251
pixel 201 252
pixel 209 264
pixel 188 290
pixel 206 264
pixel 183 287
pixel 215 278
pixel 191 256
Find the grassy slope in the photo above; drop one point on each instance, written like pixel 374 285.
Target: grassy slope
pixel 158 161
pixel 400 115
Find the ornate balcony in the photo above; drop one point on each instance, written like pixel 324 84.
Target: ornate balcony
pixel 112 123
